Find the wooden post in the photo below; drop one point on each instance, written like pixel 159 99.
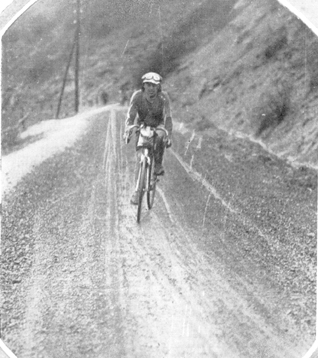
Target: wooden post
pixel 64 79
pixel 77 48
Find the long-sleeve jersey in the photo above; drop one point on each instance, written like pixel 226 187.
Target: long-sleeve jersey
pixel 153 113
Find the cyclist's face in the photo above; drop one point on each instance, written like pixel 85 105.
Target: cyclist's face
pixel 151 89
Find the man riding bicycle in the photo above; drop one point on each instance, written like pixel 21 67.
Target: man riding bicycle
pixel 153 109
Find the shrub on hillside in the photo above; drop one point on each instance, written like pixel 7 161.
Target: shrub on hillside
pixel 276 43
pixel 203 124
pixel 272 109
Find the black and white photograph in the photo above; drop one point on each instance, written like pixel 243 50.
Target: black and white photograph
pixel 159 164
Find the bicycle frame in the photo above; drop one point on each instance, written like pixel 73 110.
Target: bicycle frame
pixel 146 181
pixel 147 156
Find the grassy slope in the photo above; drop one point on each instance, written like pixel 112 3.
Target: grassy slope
pixel 251 69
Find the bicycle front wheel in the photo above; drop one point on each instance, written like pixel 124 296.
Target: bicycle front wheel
pixel 151 184
pixel 141 187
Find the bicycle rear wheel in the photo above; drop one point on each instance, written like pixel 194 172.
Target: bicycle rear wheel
pixel 141 187
pixel 151 184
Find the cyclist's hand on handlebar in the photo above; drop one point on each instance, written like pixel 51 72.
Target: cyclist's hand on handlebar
pixel 127 136
pixel 128 132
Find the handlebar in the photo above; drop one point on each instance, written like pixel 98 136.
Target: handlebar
pixel 128 133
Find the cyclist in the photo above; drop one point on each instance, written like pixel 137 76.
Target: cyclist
pixel 152 106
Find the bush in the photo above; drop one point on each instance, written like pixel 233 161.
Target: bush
pixel 273 108
pixel 203 124
pixel 276 44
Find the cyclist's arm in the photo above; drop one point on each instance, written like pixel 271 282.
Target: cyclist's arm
pixel 132 111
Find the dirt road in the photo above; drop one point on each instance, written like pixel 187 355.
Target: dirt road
pixel 202 275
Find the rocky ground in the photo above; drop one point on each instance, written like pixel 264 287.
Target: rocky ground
pixel 224 265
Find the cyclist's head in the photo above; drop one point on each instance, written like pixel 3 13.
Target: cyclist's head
pixel 152 77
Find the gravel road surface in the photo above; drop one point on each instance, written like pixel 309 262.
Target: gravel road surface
pixel 222 266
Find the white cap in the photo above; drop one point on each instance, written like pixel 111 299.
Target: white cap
pixel 152 77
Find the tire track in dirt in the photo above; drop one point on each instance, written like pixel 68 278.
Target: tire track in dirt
pixel 176 304
pixel 102 285
pixel 204 313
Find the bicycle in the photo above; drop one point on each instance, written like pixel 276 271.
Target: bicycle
pixel 147 179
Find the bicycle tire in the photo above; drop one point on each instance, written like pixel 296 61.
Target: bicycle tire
pixel 151 185
pixel 141 188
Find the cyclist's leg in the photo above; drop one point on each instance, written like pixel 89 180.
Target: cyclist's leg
pixel 137 164
pixel 135 195
pixel 159 151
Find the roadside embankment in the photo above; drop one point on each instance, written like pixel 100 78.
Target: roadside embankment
pixel 256 78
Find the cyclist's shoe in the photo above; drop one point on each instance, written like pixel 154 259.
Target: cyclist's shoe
pixel 159 170
pixel 134 199
pixel 168 143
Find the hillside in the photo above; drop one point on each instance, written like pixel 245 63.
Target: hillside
pixel 247 68
pixel 259 78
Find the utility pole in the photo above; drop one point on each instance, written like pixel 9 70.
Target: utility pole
pixel 77 49
pixel 64 80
